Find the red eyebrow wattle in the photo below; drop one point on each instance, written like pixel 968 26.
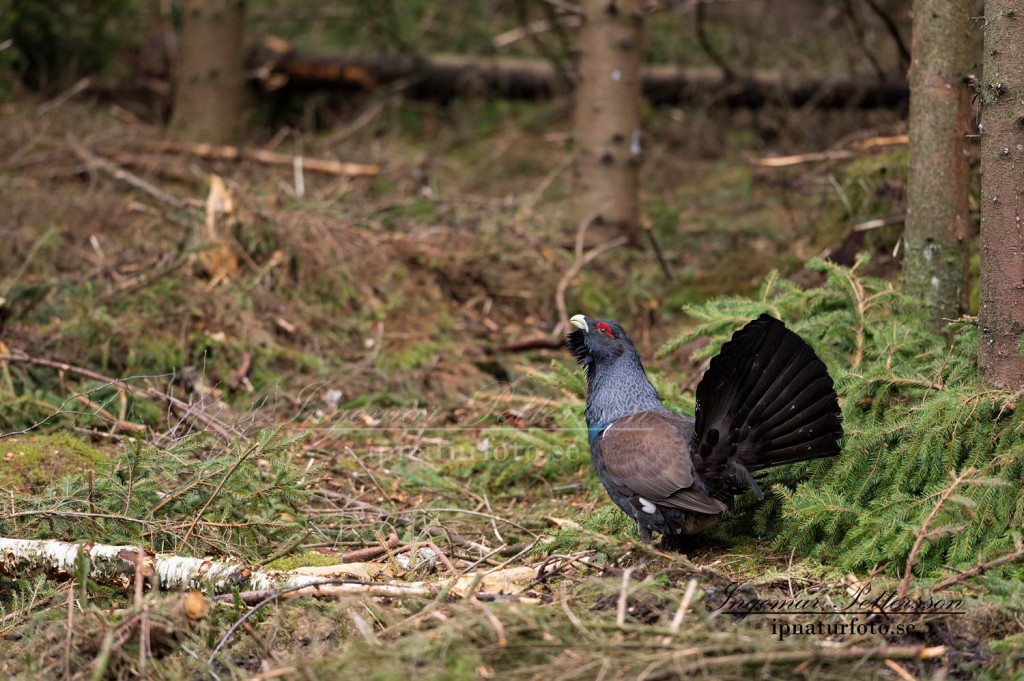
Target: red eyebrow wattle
pixel 601 326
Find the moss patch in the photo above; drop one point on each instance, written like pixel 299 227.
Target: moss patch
pixel 304 559
pixel 32 462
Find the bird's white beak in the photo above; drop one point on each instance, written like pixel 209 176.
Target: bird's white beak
pixel 580 322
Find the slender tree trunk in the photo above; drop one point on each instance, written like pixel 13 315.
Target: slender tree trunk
pixel 211 74
pixel 935 260
pixel 1001 317
pixel 606 122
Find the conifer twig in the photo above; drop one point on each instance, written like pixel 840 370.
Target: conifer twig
pixel 499 629
pixel 234 467
pixel 980 569
pixel 923 533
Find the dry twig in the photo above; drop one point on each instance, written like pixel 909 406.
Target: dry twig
pixel 620 612
pixel 333 588
pixel 924 534
pixel 119 423
pixel 140 558
pixel 831 155
pixel 580 260
pixel 981 568
pixel 118 173
pixel 684 604
pixel 765 658
pixel 70 633
pixel 371 552
pixel 182 410
pixel 899 670
pixel 225 153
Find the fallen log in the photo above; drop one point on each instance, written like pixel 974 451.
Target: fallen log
pixel 443 77
pixel 117 566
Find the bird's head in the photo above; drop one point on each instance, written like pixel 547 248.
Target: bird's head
pixel 616 382
pixel 597 341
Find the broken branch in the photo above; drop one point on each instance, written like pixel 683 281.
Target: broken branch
pixel 227 153
pixel 118 173
pixel 182 410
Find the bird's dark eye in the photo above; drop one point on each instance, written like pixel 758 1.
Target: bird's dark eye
pixel 605 329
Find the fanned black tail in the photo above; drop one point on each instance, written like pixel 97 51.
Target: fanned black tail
pixel 766 400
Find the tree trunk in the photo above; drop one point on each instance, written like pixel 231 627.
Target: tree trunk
pixel 211 75
pixel 935 260
pixel 606 120
pixel 1001 317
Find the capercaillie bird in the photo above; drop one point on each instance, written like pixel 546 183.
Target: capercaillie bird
pixel 765 400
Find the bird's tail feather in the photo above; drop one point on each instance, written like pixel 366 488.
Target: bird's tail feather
pixel 766 400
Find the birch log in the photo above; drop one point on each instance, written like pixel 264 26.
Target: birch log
pixel 115 566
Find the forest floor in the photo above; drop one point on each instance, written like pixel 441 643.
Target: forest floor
pixel 384 319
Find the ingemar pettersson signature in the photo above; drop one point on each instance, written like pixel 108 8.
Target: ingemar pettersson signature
pixel 861 602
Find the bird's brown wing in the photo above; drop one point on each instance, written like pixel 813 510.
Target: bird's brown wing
pixel 646 455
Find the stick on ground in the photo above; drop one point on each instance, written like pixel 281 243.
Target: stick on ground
pixel 184 411
pixel 225 153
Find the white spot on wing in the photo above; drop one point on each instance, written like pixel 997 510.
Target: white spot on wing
pixel 647 506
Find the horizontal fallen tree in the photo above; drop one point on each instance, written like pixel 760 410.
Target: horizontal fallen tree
pixel 118 566
pixel 443 77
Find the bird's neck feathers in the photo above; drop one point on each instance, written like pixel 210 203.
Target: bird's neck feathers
pixel 618 388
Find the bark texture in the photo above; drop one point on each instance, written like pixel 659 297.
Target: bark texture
pixel 211 75
pixel 1001 316
pixel 935 260
pixel 606 115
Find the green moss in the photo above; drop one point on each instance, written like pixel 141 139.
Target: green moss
pixel 304 559
pixel 974 282
pixel 34 461
pixel 412 357
pixel 891 163
pixel 417 210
